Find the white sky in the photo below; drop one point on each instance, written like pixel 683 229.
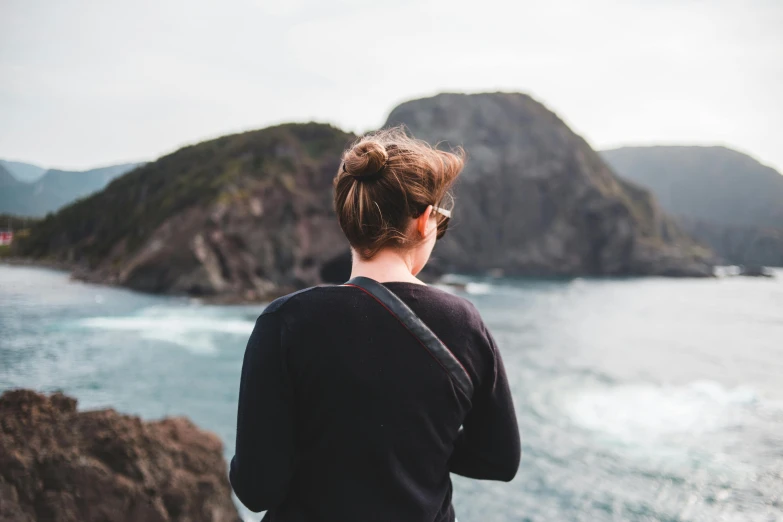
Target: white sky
pixel 87 83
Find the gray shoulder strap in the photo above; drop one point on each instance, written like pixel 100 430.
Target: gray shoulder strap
pixel 418 329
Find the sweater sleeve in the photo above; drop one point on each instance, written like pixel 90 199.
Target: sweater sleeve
pixel 487 446
pixel 264 457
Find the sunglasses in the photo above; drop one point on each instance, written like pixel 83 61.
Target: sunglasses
pixel 443 220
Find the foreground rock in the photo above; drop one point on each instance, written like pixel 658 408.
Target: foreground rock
pixel 535 199
pixel 59 465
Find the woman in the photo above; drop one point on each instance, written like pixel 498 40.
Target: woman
pixel 344 413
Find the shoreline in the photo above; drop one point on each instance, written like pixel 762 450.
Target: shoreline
pixel 78 273
pixel 59 266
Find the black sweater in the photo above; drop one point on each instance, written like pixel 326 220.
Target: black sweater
pixel 344 416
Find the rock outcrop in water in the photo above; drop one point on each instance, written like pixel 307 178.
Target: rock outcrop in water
pixel 535 199
pixel 61 465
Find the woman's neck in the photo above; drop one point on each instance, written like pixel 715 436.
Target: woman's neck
pixel 385 266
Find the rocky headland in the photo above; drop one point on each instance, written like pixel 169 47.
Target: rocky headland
pixel 535 199
pixel 242 217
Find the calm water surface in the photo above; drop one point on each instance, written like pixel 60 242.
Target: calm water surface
pixel 638 399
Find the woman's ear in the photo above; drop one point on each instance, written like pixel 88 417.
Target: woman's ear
pixel 422 222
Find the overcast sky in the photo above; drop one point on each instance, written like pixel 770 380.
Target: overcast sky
pixel 88 83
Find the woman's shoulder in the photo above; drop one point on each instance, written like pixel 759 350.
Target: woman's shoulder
pixel 436 304
pixel 433 293
pixel 280 302
pixel 412 293
pixel 451 316
pixel 307 299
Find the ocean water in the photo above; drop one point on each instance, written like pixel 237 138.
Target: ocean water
pixel 638 399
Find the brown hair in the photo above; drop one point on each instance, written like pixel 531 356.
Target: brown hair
pixel 385 179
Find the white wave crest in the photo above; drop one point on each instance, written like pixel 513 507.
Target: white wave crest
pixel 190 328
pixel 478 288
pixel 645 412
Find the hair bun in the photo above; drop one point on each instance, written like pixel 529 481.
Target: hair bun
pixel 366 160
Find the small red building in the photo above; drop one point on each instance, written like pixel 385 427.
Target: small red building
pixel 6 236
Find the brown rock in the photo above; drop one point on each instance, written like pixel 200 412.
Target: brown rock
pixel 59 465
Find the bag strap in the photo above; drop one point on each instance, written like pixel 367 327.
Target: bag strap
pixel 426 337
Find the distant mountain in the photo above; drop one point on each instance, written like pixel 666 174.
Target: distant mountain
pixel 56 189
pixel 535 199
pixel 713 184
pixel 24 171
pixel 7 180
pixel 722 197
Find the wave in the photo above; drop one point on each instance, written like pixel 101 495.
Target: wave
pixel 456 285
pixel 647 413
pixel 192 328
pixel 479 288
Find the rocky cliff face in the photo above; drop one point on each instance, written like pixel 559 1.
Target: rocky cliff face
pixel 60 465
pixel 243 217
pixel 535 199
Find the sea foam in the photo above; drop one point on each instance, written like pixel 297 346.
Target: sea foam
pixel 645 412
pixel 191 328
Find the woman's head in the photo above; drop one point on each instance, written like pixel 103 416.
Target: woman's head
pixel 385 191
